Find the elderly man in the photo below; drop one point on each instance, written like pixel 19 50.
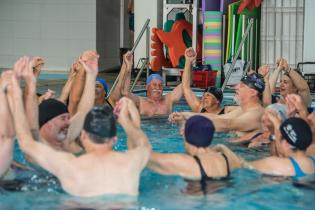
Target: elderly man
pixel 155 103
pixel 55 127
pixel 245 118
pixel 101 170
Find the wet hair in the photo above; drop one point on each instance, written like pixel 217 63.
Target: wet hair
pixel 100 124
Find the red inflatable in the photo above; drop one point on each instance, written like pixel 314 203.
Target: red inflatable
pixel 175 43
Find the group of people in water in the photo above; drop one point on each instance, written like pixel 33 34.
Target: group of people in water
pixel 72 136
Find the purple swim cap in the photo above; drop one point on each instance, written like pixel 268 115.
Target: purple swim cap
pixel 199 131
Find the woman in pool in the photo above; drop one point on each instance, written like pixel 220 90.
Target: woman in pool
pixel 212 96
pixel 291 82
pixel 292 138
pixel 200 163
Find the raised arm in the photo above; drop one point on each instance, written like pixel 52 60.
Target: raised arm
pixel 276 121
pixel 65 92
pixel 6 129
pixel 87 99
pixel 192 100
pixel 77 89
pixel 281 64
pixel 264 71
pixel 38 63
pixel 129 118
pixel 42 154
pixel 123 84
pixel 301 85
pixel 126 79
pixel 23 68
pixel 296 106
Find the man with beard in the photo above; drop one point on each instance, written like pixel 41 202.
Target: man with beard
pixel 52 124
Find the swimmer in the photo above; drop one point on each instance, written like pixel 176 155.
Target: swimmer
pixel 245 118
pixel 200 162
pixel 212 96
pixel 111 172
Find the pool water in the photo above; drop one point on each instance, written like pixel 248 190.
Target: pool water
pixel 245 190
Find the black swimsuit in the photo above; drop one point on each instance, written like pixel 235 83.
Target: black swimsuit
pixel 205 177
pixel 203 110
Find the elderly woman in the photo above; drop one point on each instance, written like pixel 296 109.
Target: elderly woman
pixel 291 82
pixel 291 139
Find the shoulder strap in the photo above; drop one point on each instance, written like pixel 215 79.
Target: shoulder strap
pixel 202 171
pixel 312 158
pixel 227 164
pixel 297 169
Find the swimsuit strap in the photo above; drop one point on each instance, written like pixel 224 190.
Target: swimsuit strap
pixel 202 171
pixel 204 176
pixel 222 111
pixel 203 110
pixel 312 158
pixel 297 169
pixel 227 164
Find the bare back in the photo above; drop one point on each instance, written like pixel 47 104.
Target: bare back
pixel 110 173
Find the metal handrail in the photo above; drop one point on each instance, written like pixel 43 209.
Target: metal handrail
pixel 144 27
pixel 237 54
pixel 144 64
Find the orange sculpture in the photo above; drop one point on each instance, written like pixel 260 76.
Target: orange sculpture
pixel 174 41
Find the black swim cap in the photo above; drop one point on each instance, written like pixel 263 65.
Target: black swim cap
pixel 199 131
pixel 217 92
pixel 296 132
pixel 254 81
pixel 50 109
pixel 100 122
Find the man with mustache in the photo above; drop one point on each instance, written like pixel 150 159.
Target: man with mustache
pixel 155 103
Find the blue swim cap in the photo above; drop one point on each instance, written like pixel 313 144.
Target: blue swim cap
pixel 103 82
pixel 153 77
pixel 199 131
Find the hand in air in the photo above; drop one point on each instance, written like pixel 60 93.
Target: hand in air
pixel 23 69
pixel 128 60
pixel 176 117
pixel 37 65
pixel 264 71
pixel 295 104
pixel 190 55
pixel 89 61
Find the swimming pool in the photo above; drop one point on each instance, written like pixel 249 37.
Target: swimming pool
pixel 245 190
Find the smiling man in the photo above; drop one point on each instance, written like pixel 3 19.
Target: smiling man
pixel 155 103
